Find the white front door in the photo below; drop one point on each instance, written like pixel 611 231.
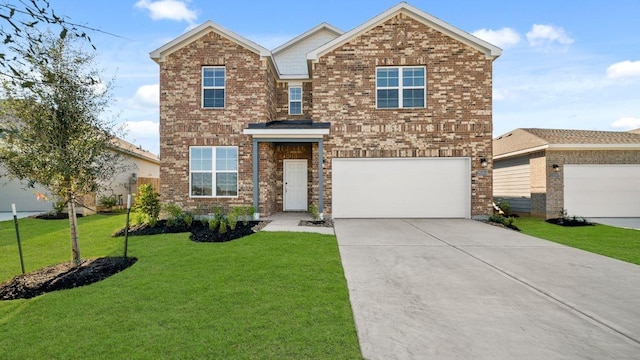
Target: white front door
pixel 295 185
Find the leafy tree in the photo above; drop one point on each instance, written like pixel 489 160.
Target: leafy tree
pixel 21 45
pixel 63 143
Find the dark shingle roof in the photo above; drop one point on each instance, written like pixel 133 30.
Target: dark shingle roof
pixel 523 139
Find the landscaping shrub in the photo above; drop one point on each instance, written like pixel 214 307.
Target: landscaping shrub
pixel 146 207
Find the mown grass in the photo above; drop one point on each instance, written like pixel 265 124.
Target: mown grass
pixel 266 296
pixel 621 244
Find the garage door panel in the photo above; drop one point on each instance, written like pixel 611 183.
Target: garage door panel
pixel 387 188
pixel 602 190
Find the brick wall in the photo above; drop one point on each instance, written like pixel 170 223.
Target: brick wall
pixel 184 123
pixel 457 121
pixel 282 100
pixel 555 181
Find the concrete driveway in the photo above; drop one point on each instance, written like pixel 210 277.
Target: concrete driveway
pixel 461 289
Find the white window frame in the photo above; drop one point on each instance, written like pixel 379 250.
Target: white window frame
pixel 213 172
pixel 401 87
pixel 295 101
pixel 223 87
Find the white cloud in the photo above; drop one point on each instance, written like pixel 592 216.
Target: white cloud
pixel 504 38
pixel 626 123
pixel 546 35
pixel 624 69
pixel 144 133
pixel 147 96
pixel 168 9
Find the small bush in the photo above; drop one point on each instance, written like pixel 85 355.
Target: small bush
pixel 313 210
pixel 505 206
pixel 177 216
pixel 232 220
pixel 506 221
pixel 147 206
pixel 108 201
pixel 223 227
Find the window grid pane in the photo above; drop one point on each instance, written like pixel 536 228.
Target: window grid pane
pixel 214 167
pixel 213 87
pixel 400 87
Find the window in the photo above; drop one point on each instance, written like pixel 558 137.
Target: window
pixel 213 83
pixel 295 100
pixel 400 87
pixel 213 171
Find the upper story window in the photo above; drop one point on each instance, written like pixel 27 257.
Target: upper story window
pixel 213 171
pixel 295 100
pixel 400 87
pixel 213 86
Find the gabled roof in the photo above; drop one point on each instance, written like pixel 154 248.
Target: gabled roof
pixel 491 51
pixel 187 38
pixel 300 38
pixel 128 148
pixel 523 141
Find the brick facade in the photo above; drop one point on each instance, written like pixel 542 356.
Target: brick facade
pixel 457 120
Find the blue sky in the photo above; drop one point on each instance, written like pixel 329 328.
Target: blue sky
pixel 571 64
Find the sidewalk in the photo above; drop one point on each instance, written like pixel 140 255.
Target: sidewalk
pixel 289 222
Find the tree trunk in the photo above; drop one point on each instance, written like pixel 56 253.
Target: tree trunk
pixel 73 224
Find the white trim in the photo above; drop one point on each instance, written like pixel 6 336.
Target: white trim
pixel 286 133
pixel 213 173
pixel 569 147
pixel 401 87
pixel 291 87
pixel 223 88
pixel 159 55
pixel 307 34
pixel 491 51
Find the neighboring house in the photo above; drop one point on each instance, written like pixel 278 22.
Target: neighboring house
pixel 140 164
pixel 390 119
pixel 587 173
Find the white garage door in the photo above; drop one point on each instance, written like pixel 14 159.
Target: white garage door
pixel 602 190
pixel 401 187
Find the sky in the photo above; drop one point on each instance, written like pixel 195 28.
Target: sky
pixel 571 64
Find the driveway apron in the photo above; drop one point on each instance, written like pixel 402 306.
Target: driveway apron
pixel 461 289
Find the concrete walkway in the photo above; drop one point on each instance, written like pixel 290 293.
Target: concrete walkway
pixel 460 289
pixel 289 222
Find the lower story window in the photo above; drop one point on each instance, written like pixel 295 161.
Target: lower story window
pixel 213 171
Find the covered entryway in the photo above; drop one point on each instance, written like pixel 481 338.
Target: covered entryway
pixel 401 188
pixel 602 190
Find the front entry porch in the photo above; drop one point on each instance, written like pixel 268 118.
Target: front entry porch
pixel 287 166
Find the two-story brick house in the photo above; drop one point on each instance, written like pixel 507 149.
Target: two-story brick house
pixel 390 119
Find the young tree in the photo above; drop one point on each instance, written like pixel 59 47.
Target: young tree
pixel 63 144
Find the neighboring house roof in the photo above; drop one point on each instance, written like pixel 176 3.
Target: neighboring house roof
pixel 187 38
pixel 522 141
pixel 491 51
pixel 291 57
pixel 128 148
pixel 635 131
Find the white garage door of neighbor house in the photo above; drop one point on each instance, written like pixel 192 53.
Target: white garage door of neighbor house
pixel 602 190
pixel 401 188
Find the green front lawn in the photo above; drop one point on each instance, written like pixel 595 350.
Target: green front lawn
pixel 622 244
pixel 267 296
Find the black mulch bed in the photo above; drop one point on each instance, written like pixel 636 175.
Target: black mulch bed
pixel 59 216
pixel 200 231
pixel 570 222
pixel 317 223
pixel 63 276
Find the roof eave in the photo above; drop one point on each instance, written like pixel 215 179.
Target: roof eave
pixel 183 40
pixel 491 51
